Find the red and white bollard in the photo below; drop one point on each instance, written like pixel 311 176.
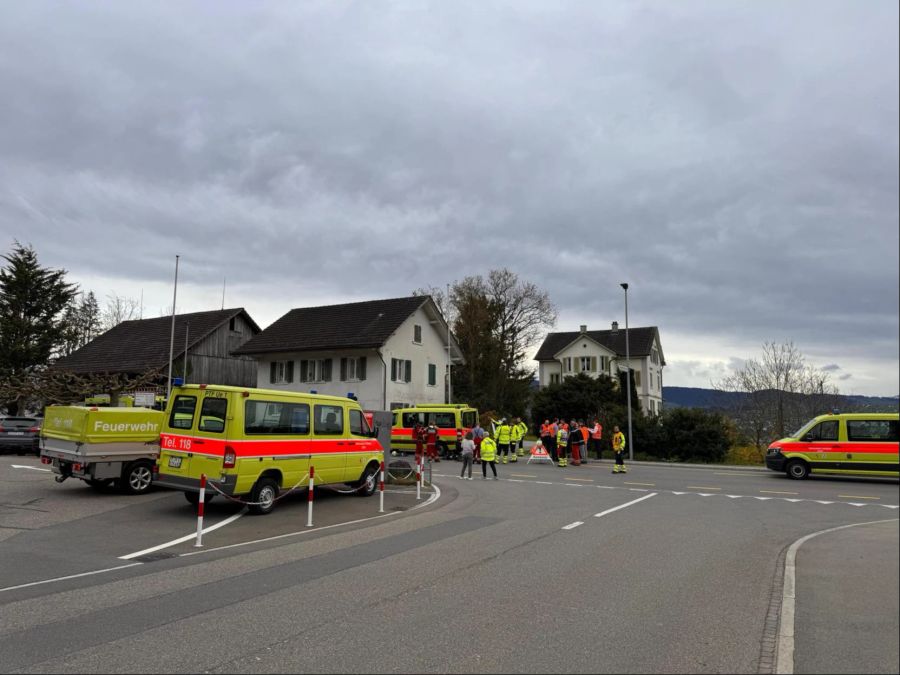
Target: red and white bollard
pixel 418 478
pixel 200 504
pixel 309 497
pixel 381 491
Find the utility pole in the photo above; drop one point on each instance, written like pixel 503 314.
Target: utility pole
pixel 172 335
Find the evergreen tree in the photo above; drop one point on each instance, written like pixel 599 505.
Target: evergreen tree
pixel 33 300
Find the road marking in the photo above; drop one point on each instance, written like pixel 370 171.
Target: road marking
pixel 71 576
pixel 858 497
pixel 731 473
pixel 33 468
pixel 434 497
pixel 647 484
pixel 622 506
pixel 586 480
pixel 702 487
pixel 186 537
pixel 543 482
pixel 572 526
pixel 776 492
pixel 784 652
pixel 522 475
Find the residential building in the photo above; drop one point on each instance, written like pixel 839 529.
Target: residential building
pixel 386 353
pixel 207 338
pixel 602 352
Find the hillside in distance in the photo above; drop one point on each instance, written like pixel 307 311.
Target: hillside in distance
pixel 710 399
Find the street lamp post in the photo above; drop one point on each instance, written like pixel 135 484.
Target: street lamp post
pixel 628 377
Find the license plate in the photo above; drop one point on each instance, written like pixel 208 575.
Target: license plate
pixel 16 433
pixel 175 462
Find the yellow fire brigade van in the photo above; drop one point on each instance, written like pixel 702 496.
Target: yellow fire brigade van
pixel 453 421
pixel 255 443
pixel 861 444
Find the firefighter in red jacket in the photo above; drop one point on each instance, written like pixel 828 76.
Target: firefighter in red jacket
pixel 431 441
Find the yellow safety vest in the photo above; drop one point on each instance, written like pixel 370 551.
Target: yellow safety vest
pixel 488 449
pixel 504 434
pixel 619 442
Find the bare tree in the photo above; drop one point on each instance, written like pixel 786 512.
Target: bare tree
pixel 780 392
pixel 118 309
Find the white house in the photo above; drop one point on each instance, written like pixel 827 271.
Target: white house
pixel 387 353
pixel 602 352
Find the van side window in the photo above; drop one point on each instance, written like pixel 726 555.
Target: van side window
pixel 444 420
pixel 468 418
pixel 410 419
pixel 329 419
pixel 358 424
pixel 273 417
pixel 823 431
pixel 872 430
pixel 182 415
pixel 212 415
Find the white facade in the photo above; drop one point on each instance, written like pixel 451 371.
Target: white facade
pixel 385 386
pixel 586 355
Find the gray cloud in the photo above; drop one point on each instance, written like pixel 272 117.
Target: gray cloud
pixel 737 163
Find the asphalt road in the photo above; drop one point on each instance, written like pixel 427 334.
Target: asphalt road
pixel 663 569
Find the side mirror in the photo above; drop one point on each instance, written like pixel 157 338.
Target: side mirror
pixel 375 431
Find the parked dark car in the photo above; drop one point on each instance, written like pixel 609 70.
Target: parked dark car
pixel 21 435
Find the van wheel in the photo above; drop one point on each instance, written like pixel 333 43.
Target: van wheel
pixel 264 493
pixel 136 478
pixel 797 469
pixel 368 484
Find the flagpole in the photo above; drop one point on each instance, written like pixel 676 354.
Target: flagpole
pixel 172 336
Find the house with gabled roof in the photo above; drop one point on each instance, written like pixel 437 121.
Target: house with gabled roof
pixel 142 345
pixel 602 352
pixel 386 353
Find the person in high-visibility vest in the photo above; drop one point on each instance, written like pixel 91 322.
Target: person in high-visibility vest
pixel 618 443
pixel 503 436
pixel 546 433
pixel 576 441
pixel 562 442
pixel 596 435
pixel 488 456
pixel 521 429
pixel 515 437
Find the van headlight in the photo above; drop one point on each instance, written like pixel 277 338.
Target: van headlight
pixel 774 451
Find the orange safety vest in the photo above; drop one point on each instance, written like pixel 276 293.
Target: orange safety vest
pixel 597 431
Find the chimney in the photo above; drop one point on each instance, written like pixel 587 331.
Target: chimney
pixel 583 329
pixel 615 327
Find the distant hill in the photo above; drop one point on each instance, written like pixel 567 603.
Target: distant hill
pixel 710 399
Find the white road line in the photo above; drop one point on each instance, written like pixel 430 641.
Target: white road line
pixel 572 526
pixel 622 506
pixel 33 468
pixel 186 537
pixel 71 576
pixel 543 482
pixel 784 662
pixel 434 497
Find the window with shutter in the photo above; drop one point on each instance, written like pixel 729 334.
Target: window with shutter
pixel 432 374
pixel 272 368
pixel 326 370
pixel 290 372
pixel 361 373
pixel 408 371
pixel 343 369
pixel 394 370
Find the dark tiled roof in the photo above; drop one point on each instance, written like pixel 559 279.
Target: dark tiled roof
pixel 640 340
pixel 142 345
pixel 356 325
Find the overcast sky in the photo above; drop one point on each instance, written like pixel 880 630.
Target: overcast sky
pixel 735 162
